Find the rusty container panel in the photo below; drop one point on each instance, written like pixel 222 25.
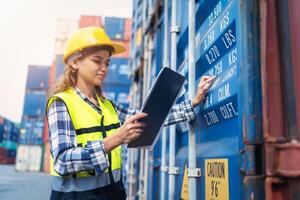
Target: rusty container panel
pixel 127 29
pixel 86 20
pixel 280 29
pixel 45 131
pixel 52 74
pixel 37 77
pixel 126 54
pixel 46 158
pixel 294 16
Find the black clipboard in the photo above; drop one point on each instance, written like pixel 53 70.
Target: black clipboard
pixel 158 104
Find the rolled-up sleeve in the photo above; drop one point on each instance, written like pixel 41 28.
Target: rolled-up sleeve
pixel 183 112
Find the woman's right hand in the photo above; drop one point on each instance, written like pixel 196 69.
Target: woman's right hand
pixel 128 132
pixel 132 128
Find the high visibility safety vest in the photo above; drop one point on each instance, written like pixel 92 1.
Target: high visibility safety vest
pixel 89 126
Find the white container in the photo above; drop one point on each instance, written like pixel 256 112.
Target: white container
pixel 64 28
pixel 29 158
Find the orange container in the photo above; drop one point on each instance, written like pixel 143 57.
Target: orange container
pixel 47 158
pixel 127 29
pixel 52 74
pixel 45 132
pixel 86 20
pixel 126 44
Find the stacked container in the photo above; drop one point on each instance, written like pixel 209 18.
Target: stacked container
pixel 86 20
pixel 32 124
pixel 8 141
pixel 119 30
pixel 64 28
pixel 116 84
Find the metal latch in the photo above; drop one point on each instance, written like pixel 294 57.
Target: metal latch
pixel 175 29
pixel 194 172
pixel 173 170
pixel 164 169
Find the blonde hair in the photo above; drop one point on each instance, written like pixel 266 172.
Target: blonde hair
pixel 68 79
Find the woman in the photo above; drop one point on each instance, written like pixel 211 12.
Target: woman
pixel 86 129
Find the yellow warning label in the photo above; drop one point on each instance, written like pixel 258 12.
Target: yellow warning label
pixel 216 179
pixel 138 39
pixel 185 185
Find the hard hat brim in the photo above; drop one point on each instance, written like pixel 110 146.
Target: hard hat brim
pixel 118 48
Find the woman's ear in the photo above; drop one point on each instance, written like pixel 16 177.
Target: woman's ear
pixel 74 65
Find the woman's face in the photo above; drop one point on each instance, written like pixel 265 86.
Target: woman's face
pixel 92 69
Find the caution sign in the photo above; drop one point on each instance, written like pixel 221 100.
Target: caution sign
pixel 185 185
pixel 216 179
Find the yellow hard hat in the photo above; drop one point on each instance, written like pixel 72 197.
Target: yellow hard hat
pixel 87 37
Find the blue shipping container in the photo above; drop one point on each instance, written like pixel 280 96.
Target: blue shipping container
pixel 232 106
pixel 8 127
pixel 228 123
pixel 117 92
pixel 114 27
pixel 11 153
pixel 31 131
pixel 35 102
pixel 15 134
pixel 25 131
pixel 37 77
pixel 1 128
pixel 119 71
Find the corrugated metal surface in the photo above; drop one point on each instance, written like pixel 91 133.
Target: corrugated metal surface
pixel 3 157
pixel 117 92
pixel 125 54
pixel 279 28
pixel 29 158
pixel 8 127
pixel 86 20
pixel 31 131
pixel 15 134
pixel 35 102
pixel 127 29
pixel 8 144
pixel 37 77
pixel 7 156
pixel 229 124
pixel 119 71
pixel 114 27
pixel 46 157
pixel 45 132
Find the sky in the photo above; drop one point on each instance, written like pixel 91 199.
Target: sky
pixel 27 35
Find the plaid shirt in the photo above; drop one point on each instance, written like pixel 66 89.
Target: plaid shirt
pixel 70 158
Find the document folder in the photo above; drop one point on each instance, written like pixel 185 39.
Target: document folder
pixel 158 104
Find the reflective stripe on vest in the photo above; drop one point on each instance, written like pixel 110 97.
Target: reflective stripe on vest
pixel 87 123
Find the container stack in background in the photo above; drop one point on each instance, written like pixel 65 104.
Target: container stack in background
pixel 117 83
pixel 30 147
pixel 64 28
pixel 8 141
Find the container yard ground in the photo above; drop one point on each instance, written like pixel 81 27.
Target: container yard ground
pixel 23 185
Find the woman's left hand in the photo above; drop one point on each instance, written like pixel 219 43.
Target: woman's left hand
pixel 204 85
